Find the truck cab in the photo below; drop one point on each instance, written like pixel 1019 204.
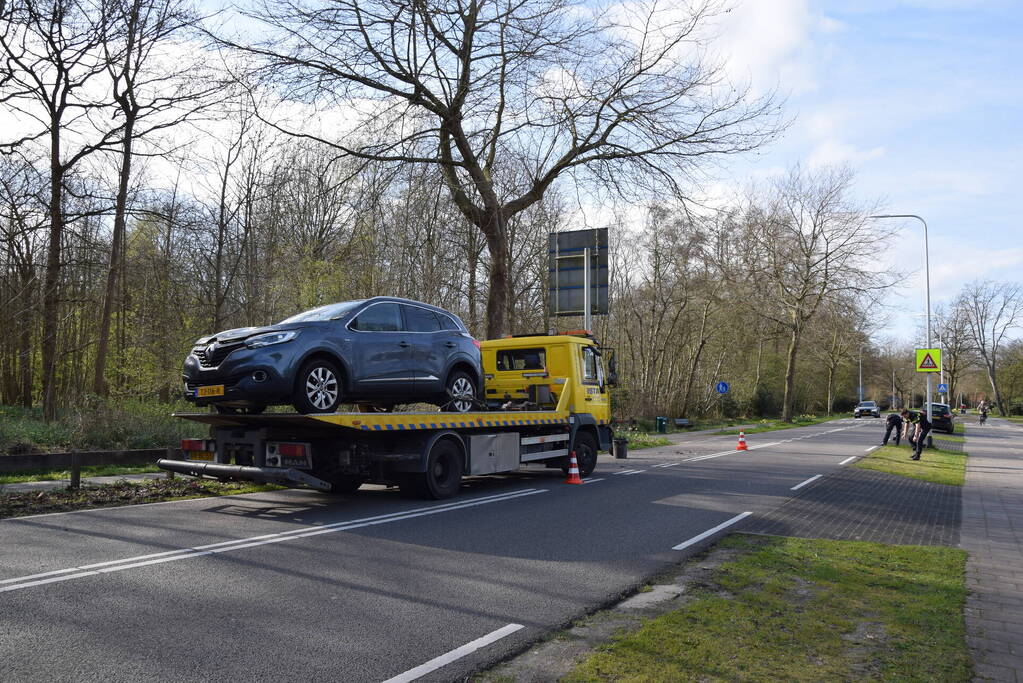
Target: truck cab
pixel 540 369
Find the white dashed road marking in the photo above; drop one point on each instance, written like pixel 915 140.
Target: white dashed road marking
pixel 813 478
pixel 456 654
pixel 711 532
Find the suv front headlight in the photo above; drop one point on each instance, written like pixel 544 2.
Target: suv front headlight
pixel 270 338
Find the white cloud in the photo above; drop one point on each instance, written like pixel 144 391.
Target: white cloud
pixel 833 152
pixel 770 44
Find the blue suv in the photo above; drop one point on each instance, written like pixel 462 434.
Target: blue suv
pixel 375 352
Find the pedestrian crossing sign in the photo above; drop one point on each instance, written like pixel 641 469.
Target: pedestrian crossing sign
pixel 928 360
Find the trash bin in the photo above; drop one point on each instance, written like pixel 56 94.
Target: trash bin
pixel 662 425
pixel 621 447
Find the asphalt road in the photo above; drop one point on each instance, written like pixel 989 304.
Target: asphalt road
pixel 297 585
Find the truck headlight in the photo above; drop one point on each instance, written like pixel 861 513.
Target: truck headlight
pixel 270 338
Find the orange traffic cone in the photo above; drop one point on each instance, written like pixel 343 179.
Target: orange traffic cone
pixel 573 471
pixel 742 441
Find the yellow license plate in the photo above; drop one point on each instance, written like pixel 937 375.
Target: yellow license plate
pixel 212 390
pixel 200 455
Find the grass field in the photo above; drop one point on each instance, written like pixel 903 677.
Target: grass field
pixel 121 493
pixel 94 424
pixel 57 475
pixel 792 609
pixel 940 467
pixel 770 425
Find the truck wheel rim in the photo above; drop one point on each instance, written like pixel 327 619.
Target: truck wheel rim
pixel 321 388
pixel 462 393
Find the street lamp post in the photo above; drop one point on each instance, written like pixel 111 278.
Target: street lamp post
pixel 927 275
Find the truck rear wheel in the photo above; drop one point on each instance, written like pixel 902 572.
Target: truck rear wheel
pixel 585 454
pixel 443 475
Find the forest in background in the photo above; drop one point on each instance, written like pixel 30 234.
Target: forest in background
pixel 152 201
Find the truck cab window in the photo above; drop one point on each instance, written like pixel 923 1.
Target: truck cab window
pixel 521 359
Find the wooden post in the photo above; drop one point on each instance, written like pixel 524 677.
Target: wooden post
pixel 170 456
pixel 76 471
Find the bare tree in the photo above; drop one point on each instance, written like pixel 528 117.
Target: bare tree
pixel 837 338
pixel 957 352
pixel 619 97
pixel 53 68
pixel 154 88
pixel 809 246
pixel 991 310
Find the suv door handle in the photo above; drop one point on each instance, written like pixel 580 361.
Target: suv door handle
pixel 450 344
pixel 404 344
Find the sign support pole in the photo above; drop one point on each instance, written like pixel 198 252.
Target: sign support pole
pixel 587 306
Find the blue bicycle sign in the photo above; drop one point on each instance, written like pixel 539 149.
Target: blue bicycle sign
pixel 722 387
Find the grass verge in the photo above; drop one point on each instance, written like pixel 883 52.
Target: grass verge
pixel 639 440
pixel 771 425
pixel 121 493
pixel 937 466
pixel 805 610
pixel 57 475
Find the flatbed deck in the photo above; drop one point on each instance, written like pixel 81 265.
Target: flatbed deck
pixel 383 422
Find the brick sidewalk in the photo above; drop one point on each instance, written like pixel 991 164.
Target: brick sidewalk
pixel 992 532
pixel 865 505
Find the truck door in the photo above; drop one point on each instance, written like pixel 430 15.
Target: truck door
pixel 593 380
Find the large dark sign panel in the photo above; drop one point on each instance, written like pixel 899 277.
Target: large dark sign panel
pixel 566 271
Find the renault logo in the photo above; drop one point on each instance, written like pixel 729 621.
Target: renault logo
pixel 210 349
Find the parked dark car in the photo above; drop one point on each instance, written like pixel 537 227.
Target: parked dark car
pixel 941 418
pixel 866 408
pixel 376 352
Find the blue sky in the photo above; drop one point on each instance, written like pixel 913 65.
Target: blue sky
pixel 923 99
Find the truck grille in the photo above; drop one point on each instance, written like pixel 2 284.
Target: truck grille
pixel 213 355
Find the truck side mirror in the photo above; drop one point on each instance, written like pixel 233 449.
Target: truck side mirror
pixel 612 372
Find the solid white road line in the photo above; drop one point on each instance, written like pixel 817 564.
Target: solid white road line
pixel 872 448
pixel 847 460
pixel 238 544
pixel 799 486
pixel 456 654
pixel 711 532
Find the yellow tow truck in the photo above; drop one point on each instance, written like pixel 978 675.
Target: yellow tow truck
pixel 545 396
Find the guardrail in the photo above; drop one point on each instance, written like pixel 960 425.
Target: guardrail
pixel 76 460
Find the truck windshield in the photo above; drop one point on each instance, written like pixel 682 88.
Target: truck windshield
pixel 328 312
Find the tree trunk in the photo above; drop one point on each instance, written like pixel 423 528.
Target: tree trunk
pixel 790 373
pixel 497 301
pixel 99 385
pixel 51 284
pixel 25 336
pixel 831 386
pixel 991 377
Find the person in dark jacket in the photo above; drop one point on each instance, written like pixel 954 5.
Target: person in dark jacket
pixel 892 423
pixel 923 428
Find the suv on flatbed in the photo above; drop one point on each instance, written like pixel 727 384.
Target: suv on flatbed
pixel 866 408
pixel 377 352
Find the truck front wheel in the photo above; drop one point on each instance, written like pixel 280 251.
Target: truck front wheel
pixel 585 453
pixel 443 475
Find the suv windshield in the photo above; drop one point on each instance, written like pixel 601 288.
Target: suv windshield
pixel 328 312
pixel 866 404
